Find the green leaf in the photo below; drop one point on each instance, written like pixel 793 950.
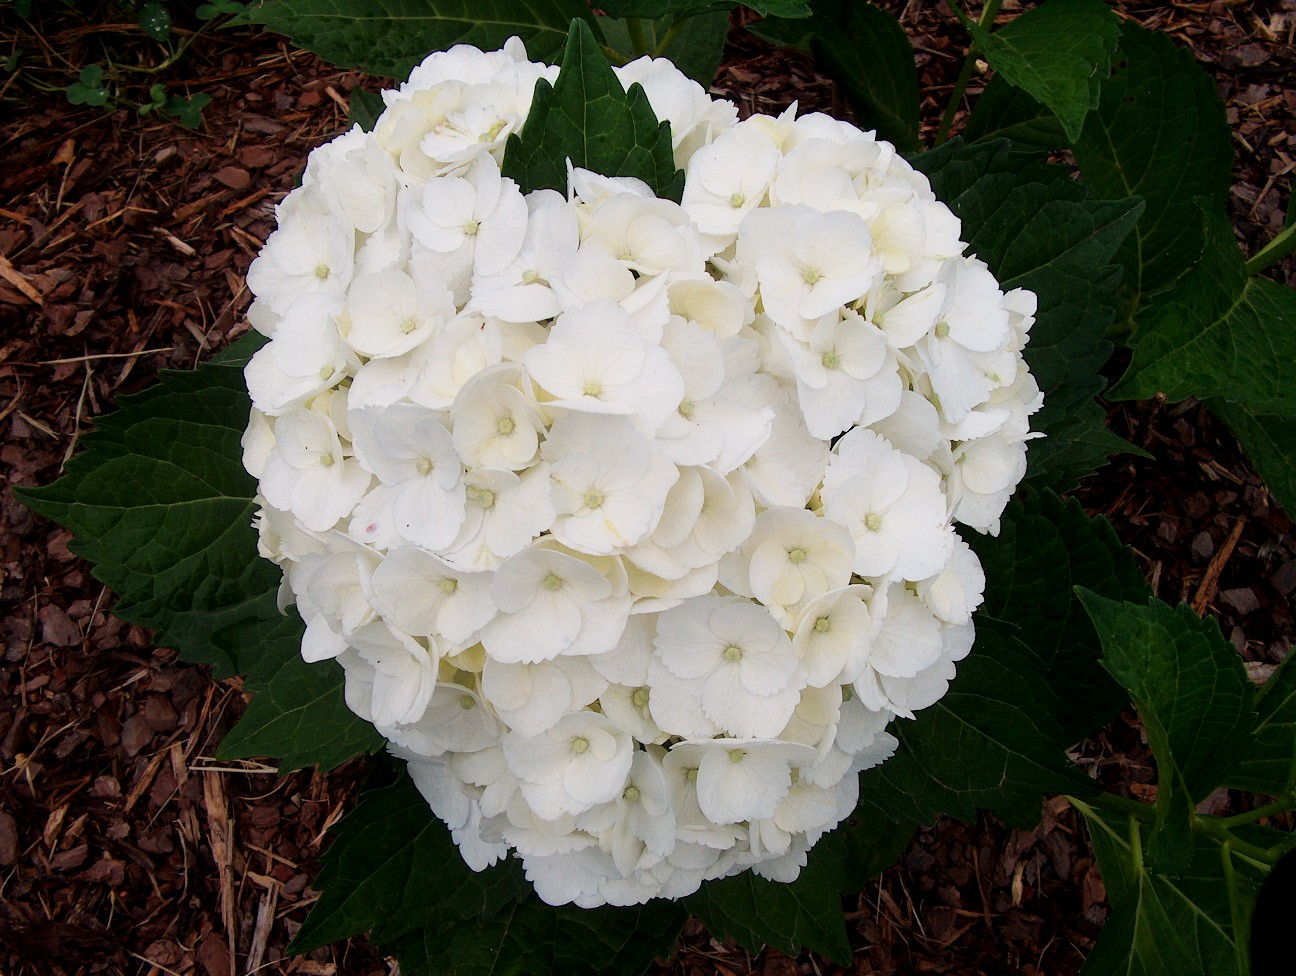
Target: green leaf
pixel 1269 440
pixel 1222 334
pixel 807 912
pixel 992 742
pixel 1160 133
pixel 1164 925
pixel 1269 766
pixel 1005 112
pixel 1193 697
pixel 389 37
pixel 392 867
pixel 588 118
pixel 187 110
pixel 657 9
pixel 89 89
pixel 867 52
pixel 530 938
pixel 364 107
pixel 298 714
pixel 155 21
pixel 159 502
pixel 696 49
pixel 1037 228
pixel 1059 53
pixel 1045 548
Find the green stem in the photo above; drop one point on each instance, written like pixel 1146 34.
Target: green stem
pixel 1117 805
pixel 988 14
pixel 638 37
pixel 1215 827
pixel 1282 805
pixel 1236 911
pixel 668 38
pixel 1273 252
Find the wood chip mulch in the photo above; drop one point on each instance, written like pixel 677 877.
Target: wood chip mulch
pixel 124 848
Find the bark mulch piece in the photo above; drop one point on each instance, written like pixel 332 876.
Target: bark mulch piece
pixel 125 848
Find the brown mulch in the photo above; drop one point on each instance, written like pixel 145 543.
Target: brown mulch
pixel 125 848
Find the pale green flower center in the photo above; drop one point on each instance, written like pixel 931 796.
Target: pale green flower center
pixel 593 389
pixel 423 465
pixel 810 275
pixel 326 460
pixel 408 325
pixel 485 498
pixel 553 583
pixel 874 522
pixel 449 585
pixel 322 271
pixel 505 425
pixel 736 200
pixel 831 360
pixel 942 330
pixel 580 744
pixel 822 625
pixel 733 653
pixel 737 755
pixel 472 227
pixel 466 703
pixel 631 794
pixel 796 556
pixel 640 698
pixel 594 498
pixel 686 408
pixel 530 277
pixel 326 372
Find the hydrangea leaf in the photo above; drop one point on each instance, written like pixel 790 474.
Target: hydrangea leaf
pixel 1047 546
pixel 1058 52
pixel 1269 440
pixel 1037 228
pixel 1005 112
pixel 530 938
pixel 1269 766
pixel 392 867
pixel 755 912
pixel 867 52
pixel 588 118
pixel 159 503
pixel 1222 334
pixel 696 46
pixel 1193 697
pixel 657 9
pixel 1160 133
pixel 389 37
pixel 992 742
pixel 364 107
pixel 1164 925
pixel 298 713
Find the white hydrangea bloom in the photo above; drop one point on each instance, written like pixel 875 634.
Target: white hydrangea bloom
pixel 631 523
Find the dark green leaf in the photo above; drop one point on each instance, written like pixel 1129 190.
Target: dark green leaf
pixel 1059 53
pixel 657 9
pixel 1269 439
pixel 391 866
pixel 1160 133
pixel 1036 228
pixel 1221 334
pixel 1005 112
pixel 297 714
pixel 1193 697
pixel 240 352
pixel 808 912
pixel 1164 925
pixel 89 89
pixel 389 37
pixel 697 46
pixel 588 118
pixel 992 742
pixel 159 502
pixel 1269 766
pixel 155 21
pixel 1047 546
pixel 867 52
pixel 364 107
pixel 530 938
pixel 187 110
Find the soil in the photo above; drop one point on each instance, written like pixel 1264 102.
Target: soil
pixel 124 847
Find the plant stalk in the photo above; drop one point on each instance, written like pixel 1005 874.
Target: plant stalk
pixel 668 38
pixel 988 14
pixel 1281 805
pixel 1282 245
pixel 638 36
pixel 1236 911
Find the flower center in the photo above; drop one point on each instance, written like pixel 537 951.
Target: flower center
pixel 631 794
pixel 810 275
pixel 322 272
pixel 505 425
pixel 593 389
pixel 408 325
pixel 873 522
pixel 449 585
pixel 553 583
pixel 472 227
pixel 640 698
pixel 326 372
pixel 736 200
pixel 485 498
pixel 942 330
pixel 423 465
pixel 686 408
pixel 326 460
pixel 691 775
pixel 737 755
pixel 579 744
pixel 594 498
pixel 530 277
pixel 797 556
pixel 733 653
pixel 831 360
pixel 822 625
pixel 466 703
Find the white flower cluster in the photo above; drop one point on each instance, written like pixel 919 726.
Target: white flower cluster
pixel 630 522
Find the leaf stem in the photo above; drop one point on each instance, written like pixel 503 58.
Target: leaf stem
pixel 1217 829
pixel 1236 910
pixel 1282 245
pixel 988 14
pixel 1281 805
pixel 669 37
pixel 638 37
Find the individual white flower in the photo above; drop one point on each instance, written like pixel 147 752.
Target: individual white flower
pixel 729 178
pixel 308 474
pixel 424 596
pixel 455 720
pixel 636 827
pixel 833 630
pixel 313 250
pixel 495 425
pixel 404 672
pixel 907 642
pixel 306 357
pixel 954 592
pixel 460 350
pixel 503 513
pixel 679 100
pixel 582 761
pixel 460 812
pixel 481 214
pixel 891 505
pixel 531 698
pixel 522 292
pixel 742 779
pixel 389 313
